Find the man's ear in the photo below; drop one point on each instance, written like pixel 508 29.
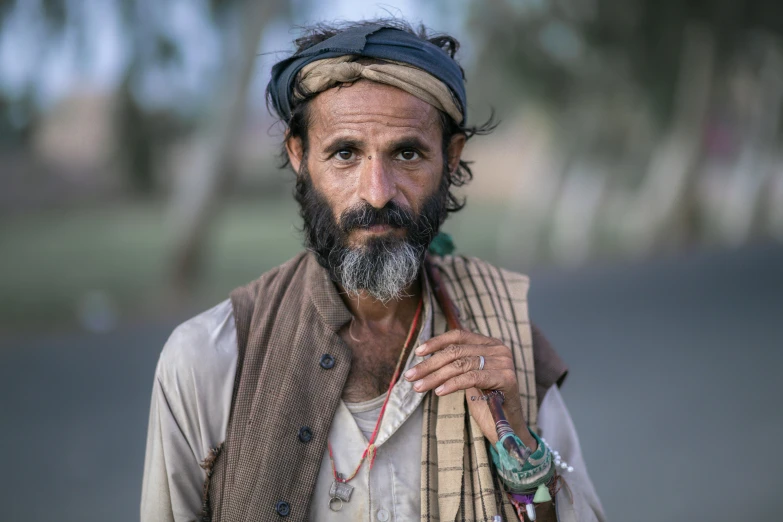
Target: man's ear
pixel 295 150
pixel 454 153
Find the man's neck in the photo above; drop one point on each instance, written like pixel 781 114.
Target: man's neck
pixel 376 335
pixel 377 316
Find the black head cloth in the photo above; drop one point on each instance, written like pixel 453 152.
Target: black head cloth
pixel 372 41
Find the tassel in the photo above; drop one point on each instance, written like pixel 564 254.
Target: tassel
pixel 531 511
pixel 542 494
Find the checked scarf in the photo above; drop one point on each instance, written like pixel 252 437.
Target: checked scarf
pixel 457 480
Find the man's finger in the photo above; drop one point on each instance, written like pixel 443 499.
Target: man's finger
pixel 496 380
pixel 454 368
pixel 453 353
pixel 453 337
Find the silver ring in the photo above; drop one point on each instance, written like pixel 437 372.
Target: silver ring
pixel 481 362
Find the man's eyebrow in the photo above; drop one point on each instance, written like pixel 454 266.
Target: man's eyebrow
pixel 411 142
pixel 343 143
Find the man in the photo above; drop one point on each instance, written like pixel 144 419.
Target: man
pixel 336 386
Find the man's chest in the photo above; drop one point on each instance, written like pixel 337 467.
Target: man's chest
pixel 391 489
pixel 373 363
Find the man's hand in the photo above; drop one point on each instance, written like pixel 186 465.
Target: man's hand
pixel 454 366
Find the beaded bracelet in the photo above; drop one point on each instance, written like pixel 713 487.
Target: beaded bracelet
pixel 559 462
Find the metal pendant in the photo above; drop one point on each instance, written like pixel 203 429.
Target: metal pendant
pixel 339 493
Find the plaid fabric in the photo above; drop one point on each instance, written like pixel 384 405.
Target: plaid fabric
pixel 286 321
pixel 457 479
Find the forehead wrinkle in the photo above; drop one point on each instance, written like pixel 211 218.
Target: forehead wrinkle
pixel 375 136
pixel 380 134
pixel 393 118
pixel 371 103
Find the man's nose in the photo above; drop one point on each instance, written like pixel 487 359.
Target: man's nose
pixel 377 185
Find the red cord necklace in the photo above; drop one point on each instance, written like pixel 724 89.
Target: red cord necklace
pixel 340 491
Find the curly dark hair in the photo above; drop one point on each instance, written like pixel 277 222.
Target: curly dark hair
pixel 298 123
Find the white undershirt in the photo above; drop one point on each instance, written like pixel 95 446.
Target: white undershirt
pixel 366 413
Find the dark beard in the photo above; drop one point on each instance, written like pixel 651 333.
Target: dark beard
pixel 383 266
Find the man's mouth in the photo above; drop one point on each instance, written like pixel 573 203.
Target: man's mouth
pixel 378 228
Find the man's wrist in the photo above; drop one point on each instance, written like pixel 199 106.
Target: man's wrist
pixel 527 439
pixel 522 431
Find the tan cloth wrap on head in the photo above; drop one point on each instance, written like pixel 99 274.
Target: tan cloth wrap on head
pixel 325 74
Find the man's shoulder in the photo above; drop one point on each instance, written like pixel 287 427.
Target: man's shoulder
pixel 472 269
pixel 204 346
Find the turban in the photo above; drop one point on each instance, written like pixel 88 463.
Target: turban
pixel 409 63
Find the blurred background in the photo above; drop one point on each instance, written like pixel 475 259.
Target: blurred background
pixel 637 175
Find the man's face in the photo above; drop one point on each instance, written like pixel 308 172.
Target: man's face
pixel 375 159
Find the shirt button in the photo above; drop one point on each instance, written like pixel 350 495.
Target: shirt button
pixel 327 361
pixel 383 515
pixel 282 508
pixel 305 434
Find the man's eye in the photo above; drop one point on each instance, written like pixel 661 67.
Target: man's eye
pixel 344 155
pixel 409 155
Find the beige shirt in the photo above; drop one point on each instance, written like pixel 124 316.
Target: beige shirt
pixel 391 490
pixel 191 401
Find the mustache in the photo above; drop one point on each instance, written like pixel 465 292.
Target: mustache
pixel 366 216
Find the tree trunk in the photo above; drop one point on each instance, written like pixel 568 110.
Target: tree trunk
pixel 208 162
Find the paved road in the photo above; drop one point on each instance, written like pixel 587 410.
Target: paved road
pixel 674 387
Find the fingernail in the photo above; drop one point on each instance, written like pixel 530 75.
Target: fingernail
pixel 418 385
pixel 420 350
pixel 410 373
pixel 438 389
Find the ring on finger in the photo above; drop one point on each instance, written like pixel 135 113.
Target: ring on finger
pixel 481 362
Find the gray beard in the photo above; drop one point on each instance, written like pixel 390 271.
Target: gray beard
pixel 384 274
pixel 383 267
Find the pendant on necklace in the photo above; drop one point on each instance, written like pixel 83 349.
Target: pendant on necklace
pixel 339 492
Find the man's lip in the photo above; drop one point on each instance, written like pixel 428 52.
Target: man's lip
pixel 374 229
pixel 378 228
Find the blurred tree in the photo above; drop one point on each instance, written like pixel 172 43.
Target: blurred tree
pixel 553 48
pixel 151 49
pixel 612 71
pixel 146 128
pixel 209 155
